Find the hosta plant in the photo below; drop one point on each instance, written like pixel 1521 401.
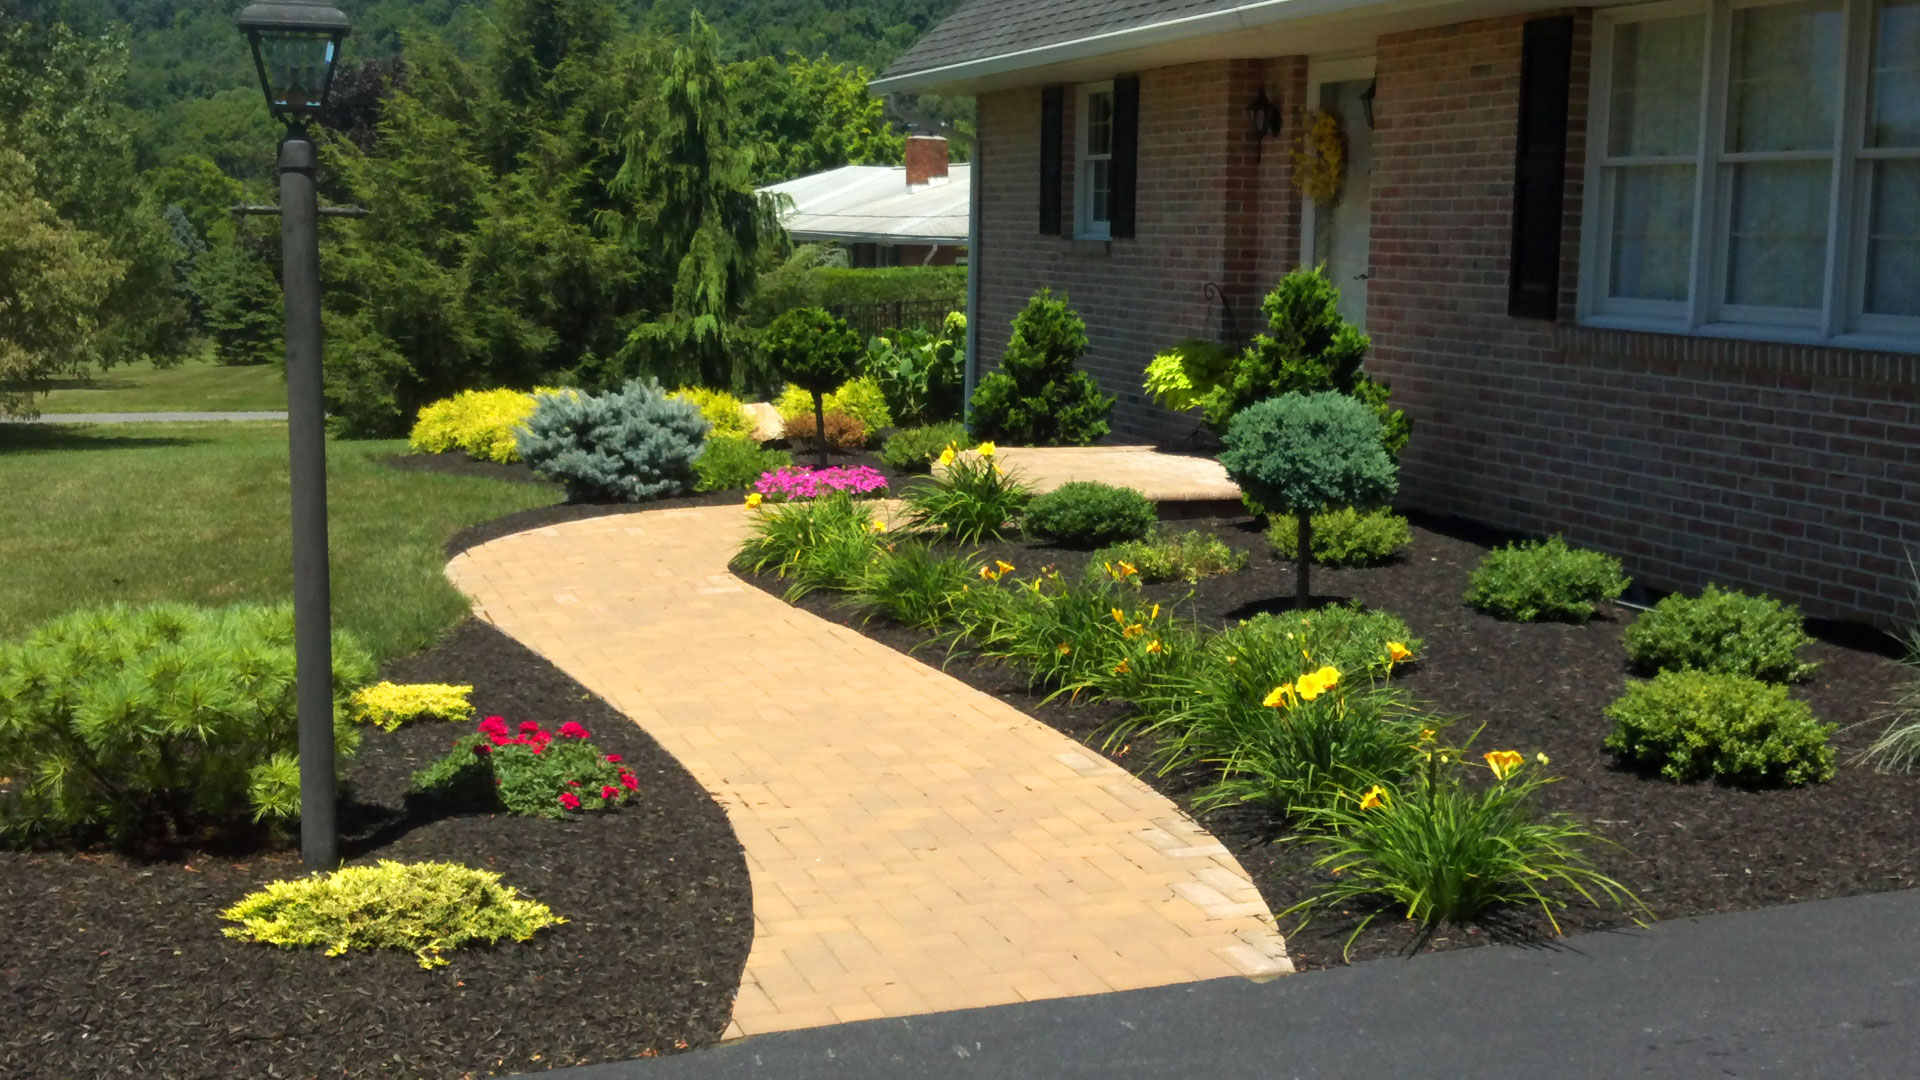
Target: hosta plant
pixel 1437 849
pixel 426 909
pixel 526 769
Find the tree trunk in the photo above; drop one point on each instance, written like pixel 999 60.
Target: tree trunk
pixel 820 425
pixel 1303 559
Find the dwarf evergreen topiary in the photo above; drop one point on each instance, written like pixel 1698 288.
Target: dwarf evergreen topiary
pixel 1037 398
pixel 628 445
pixel 1302 452
pixel 817 352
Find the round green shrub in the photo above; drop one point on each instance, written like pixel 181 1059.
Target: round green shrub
pixel 1087 513
pixel 423 908
pixel 1187 557
pixel 1305 451
pixel 812 349
pixel 156 721
pixel 630 444
pixel 913 449
pixel 728 462
pixel 1544 580
pixel 1696 724
pixel 1037 398
pixel 1723 631
pixel 1343 537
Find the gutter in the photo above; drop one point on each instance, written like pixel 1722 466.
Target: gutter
pixel 968 379
pixel 1210 24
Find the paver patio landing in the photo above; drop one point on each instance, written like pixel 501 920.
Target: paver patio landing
pixel 914 845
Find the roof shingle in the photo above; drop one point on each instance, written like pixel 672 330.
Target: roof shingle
pixel 987 28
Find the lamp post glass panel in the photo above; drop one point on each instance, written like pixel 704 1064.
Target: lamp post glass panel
pixel 295 45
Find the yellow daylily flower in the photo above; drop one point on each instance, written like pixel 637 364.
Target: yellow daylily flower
pixel 1119 616
pixel 1154 614
pixel 1005 566
pixel 946 457
pixel 1132 630
pixel 1127 569
pixel 986 449
pixel 1122 667
pixel 1503 762
pixel 753 500
pixel 1319 682
pixel 988 573
pixel 1277 696
pixel 1063 648
pixel 876 526
pixel 1397 652
pixel 1154 646
pixel 1375 798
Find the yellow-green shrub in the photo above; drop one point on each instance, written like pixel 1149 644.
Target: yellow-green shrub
pixel 727 414
pixel 424 908
pixel 859 398
pixel 484 423
pixel 391 704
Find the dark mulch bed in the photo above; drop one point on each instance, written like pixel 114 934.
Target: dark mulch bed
pixel 111 966
pixel 1685 849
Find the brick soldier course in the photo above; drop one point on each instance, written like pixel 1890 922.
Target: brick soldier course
pixel 914 845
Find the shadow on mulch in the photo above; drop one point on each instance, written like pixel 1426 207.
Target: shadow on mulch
pixel 1685 849
pixel 110 966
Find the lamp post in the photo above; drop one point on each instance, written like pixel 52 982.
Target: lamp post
pixel 295 44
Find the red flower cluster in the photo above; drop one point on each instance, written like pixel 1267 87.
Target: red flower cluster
pixel 530 734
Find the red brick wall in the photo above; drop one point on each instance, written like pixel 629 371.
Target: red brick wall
pixel 1211 205
pixel 1787 469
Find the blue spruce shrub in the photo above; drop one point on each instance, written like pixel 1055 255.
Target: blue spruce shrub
pixel 626 445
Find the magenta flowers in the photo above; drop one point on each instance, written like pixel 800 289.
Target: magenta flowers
pixel 806 482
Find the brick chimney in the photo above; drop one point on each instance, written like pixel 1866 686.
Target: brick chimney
pixel 926 161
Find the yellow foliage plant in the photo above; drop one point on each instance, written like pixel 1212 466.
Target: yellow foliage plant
pixel 391 704
pixel 727 414
pixel 484 423
pixel 424 908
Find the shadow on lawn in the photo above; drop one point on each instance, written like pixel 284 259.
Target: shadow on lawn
pixel 31 438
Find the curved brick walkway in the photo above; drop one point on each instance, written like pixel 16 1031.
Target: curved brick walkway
pixel 915 845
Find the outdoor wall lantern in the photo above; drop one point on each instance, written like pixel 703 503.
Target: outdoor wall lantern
pixel 295 44
pixel 1263 116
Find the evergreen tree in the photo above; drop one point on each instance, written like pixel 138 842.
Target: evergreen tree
pixel 1037 398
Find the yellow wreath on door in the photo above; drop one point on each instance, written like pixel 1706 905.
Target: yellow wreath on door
pixel 1320 157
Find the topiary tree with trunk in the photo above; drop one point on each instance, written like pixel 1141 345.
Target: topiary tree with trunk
pixel 816 352
pixel 1303 453
pixel 1037 398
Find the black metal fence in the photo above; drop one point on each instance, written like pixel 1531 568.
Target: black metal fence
pixel 886 316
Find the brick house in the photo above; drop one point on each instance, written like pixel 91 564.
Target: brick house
pixel 1645 275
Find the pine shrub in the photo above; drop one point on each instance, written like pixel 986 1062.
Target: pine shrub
pixel 1302 452
pixel 914 449
pixel 1343 537
pixel 626 445
pixel 1037 398
pixel 1698 724
pixel 1544 580
pixel 1087 514
pixel 1727 632
pixel 157 721
pixel 728 462
pixel 423 908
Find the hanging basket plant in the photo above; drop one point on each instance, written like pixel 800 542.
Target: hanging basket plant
pixel 1320 157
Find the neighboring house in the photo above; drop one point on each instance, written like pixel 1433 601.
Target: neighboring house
pixel 886 215
pixel 1646 275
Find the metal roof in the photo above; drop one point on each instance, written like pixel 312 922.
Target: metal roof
pixel 871 204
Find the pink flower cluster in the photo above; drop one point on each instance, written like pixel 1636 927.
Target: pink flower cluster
pixel 807 482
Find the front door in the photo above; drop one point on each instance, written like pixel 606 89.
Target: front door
pixel 1338 233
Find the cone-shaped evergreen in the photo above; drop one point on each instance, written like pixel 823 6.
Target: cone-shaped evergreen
pixel 1037 398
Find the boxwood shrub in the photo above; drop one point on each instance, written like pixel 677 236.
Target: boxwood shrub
pixel 1343 537
pixel 1697 724
pixel 1723 631
pixel 1544 580
pixel 914 449
pixel 1087 513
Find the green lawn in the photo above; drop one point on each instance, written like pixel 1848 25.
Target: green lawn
pixel 199 512
pixel 194 386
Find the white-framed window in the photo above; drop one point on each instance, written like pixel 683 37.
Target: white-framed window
pixel 1754 170
pixel 1093 162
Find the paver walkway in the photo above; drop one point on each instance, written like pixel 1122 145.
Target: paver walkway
pixel 915 845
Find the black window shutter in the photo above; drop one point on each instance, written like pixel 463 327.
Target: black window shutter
pixel 1126 155
pixel 1539 171
pixel 1051 103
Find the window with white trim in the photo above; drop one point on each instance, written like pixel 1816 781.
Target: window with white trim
pixel 1754 170
pixel 1093 163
